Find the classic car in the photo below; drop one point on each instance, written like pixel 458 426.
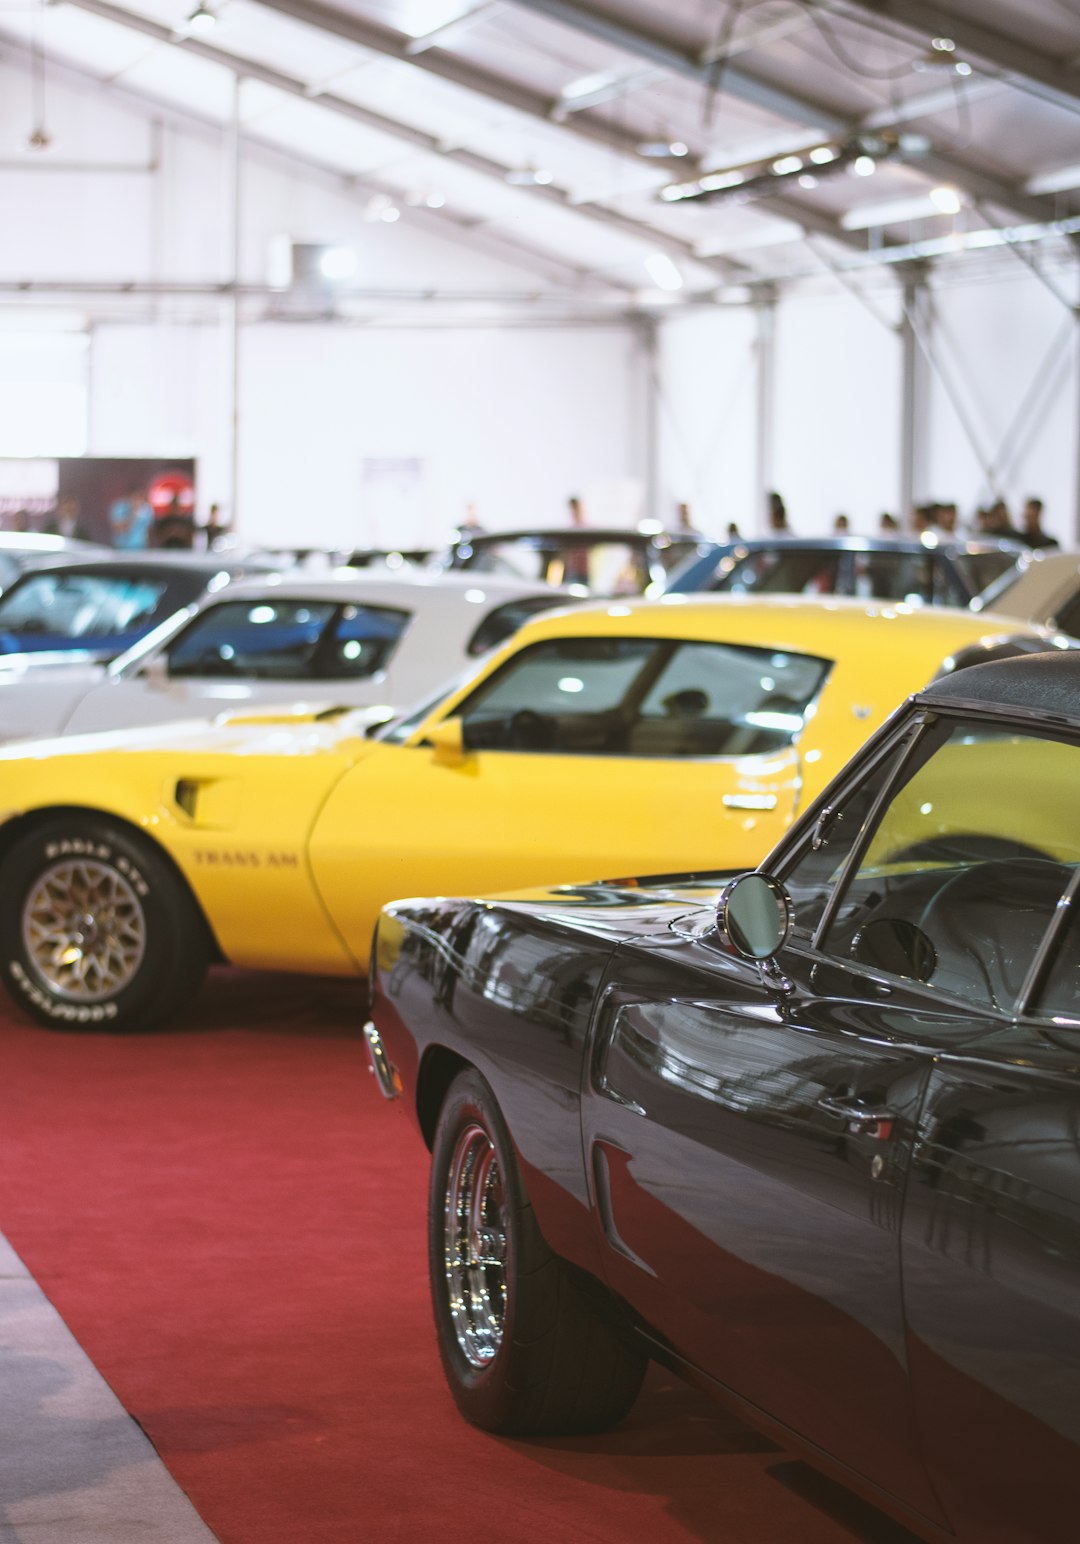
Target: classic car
pixel 1044 586
pixel 97 607
pixel 623 561
pixel 356 640
pixel 932 569
pixel 26 549
pixel 128 860
pixel 806 1134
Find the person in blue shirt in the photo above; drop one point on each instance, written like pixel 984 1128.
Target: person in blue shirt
pixel 130 519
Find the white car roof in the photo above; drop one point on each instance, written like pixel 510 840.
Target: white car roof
pixel 388 587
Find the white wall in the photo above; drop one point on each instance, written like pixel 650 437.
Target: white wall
pixel 1009 352
pixel 707 415
pixel 510 420
pixel 836 432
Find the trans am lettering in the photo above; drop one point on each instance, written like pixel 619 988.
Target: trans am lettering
pixel 209 857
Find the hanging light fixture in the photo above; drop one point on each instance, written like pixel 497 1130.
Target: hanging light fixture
pixel 202 19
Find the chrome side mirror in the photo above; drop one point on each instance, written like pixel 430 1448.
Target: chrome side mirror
pixel 753 920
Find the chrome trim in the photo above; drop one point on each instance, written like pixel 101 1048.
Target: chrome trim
pixel 380 1065
pixel 475 1247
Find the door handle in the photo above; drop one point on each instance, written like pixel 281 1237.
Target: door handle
pixel 869 1120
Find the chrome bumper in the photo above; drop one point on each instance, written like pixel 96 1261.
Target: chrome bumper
pixel 380 1064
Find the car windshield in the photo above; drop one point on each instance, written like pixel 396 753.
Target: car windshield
pixel 83 605
pixel 614 567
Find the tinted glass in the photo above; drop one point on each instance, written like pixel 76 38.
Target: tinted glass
pixel 82 605
pixel 643 697
pixel 911 576
pixel 979 569
pixel 613 567
pixel 281 640
pixel 966 863
pixel 1068 617
pixel 505 620
pixel 788 573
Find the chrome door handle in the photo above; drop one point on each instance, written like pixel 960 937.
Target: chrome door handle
pixel 872 1120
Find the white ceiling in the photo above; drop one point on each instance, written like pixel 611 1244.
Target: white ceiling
pixel 451 97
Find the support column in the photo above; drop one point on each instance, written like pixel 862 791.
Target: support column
pixel 650 353
pixel 765 346
pixel 233 313
pixel 914 398
pixel 1076 426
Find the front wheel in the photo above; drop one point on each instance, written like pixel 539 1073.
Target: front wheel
pixel 96 930
pixel 523 1351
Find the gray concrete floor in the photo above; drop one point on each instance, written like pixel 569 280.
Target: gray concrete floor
pixel 74 1467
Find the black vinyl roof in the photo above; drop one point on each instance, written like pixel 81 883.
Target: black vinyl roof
pixel 1040 683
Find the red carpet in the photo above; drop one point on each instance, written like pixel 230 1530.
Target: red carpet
pixel 230 1220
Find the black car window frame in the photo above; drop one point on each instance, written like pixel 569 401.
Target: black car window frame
pixel 934 999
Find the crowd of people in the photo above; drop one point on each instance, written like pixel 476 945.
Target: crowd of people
pixel 943 519
pixel 132 523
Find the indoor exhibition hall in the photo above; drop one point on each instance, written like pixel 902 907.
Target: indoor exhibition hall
pixel 539 766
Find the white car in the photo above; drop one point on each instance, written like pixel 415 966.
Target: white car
pixel 1044 587
pixel 346 640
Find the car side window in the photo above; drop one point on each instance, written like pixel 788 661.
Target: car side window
pixel 800 571
pixel 505 620
pixel 643 697
pixel 267 639
pixel 275 639
pixel 959 881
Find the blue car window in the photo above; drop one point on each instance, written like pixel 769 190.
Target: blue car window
pixel 270 640
pixel 276 639
pixel 361 640
pixel 80 606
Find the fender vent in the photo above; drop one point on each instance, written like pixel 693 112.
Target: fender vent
pixel 187 796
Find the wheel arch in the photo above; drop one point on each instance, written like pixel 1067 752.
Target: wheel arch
pixel 439 1067
pixel 13 830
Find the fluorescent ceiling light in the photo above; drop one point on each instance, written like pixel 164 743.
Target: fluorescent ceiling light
pixel 896 211
pixel 787 164
pixel 337 263
pixel 660 149
pixel 1059 181
pixel 864 166
pixel 945 199
pixel 528 177
pixel 663 271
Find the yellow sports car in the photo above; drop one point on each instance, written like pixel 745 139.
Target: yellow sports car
pixel 608 740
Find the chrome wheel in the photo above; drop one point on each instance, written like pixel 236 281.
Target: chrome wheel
pixel 84 930
pixel 475 1236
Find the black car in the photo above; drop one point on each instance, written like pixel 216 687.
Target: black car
pixel 610 562
pixel 96 608
pixel 935 570
pixel 810 1136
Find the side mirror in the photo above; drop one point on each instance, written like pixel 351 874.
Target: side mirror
pixel 448 741
pixel 753 916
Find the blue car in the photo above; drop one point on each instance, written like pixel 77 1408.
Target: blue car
pixel 932 570
pixel 97 609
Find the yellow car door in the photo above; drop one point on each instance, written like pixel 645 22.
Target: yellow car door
pixel 576 759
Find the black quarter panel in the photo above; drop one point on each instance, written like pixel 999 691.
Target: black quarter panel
pixel 511 993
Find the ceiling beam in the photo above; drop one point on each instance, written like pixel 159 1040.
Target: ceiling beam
pixel 1056 79
pixel 446 224
pixel 428 143
pixel 668 56
pixel 798 106
pixel 378 39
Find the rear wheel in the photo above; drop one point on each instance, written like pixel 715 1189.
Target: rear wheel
pixel 96 930
pixel 524 1351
